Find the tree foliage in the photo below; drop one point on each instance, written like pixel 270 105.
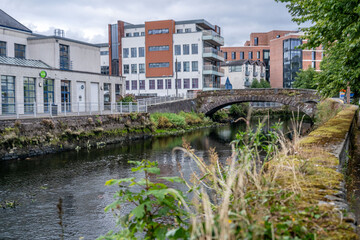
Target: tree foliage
pixel 262 84
pixel 335 25
pixel 306 79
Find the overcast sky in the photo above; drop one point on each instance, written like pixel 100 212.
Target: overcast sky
pixel 87 20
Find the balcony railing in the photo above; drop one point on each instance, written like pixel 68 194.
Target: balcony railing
pixel 213 70
pixel 213 53
pixel 210 83
pixel 213 37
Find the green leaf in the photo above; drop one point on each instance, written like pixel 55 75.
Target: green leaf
pixel 173 179
pixel 153 170
pixel 118 181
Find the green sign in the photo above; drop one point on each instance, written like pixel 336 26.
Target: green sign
pixel 43 74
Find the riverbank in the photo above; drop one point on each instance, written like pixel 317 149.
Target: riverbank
pixel 31 137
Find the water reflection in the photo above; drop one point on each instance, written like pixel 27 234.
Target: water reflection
pixel 79 177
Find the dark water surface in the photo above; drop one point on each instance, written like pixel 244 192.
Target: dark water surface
pixel 78 178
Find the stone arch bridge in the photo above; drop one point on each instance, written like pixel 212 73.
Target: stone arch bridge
pixel 209 102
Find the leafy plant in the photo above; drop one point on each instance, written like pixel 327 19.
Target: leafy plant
pixel 159 212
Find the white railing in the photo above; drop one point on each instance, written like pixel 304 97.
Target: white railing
pixel 164 99
pixel 28 110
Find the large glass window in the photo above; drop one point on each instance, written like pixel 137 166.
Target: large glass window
pixel 19 50
pixel 168 83
pixel 107 96
pixel 194 66
pixel 136 34
pixel 125 53
pixel 194 48
pixel 177 49
pixel 186 83
pixel 235 68
pixel 292 59
pixel 158 65
pixel 141 52
pixel 65 96
pixel 186 49
pixel 64 57
pixel 142 68
pixel 2 49
pixel 134 52
pixel 29 94
pixel 8 94
pixel 158 48
pixel 178 67
pixel 133 85
pixel 118 90
pixel 186 66
pixel 158 31
pixel 48 94
pixel 142 84
pixel 160 84
pixel 126 68
pixel 133 68
pixel 151 84
pixel 195 83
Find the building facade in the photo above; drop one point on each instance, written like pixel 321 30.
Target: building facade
pixel 41 71
pixel 167 57
pixel 241 73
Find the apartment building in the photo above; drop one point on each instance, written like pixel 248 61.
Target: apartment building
pixel 241 73
pixel 41 71
pixel 166 57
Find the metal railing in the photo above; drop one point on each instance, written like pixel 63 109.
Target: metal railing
pixel 213 51
pixel 27 110
pixel 164 99
pixel 214 35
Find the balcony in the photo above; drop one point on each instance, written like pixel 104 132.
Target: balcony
pixel 210 83
pixel 213 54
pixel 213 70
pixel 213 38
pixel 247 73
pixel 255 74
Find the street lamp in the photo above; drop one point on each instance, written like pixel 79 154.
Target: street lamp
pixel 176 76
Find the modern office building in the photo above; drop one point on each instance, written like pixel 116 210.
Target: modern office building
pixel 241 73
pixel 40 71
pixel 104 58
pixel 167 57
pixel 278 50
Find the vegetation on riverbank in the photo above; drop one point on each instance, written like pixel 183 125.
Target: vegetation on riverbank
pixel 295 195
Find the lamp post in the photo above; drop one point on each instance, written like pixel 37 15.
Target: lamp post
pixel 176 76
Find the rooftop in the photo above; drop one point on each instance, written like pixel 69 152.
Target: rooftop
pixel 39 37
pixel 9 22
pixel 201 22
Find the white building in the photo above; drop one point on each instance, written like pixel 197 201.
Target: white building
pixel 241 73
pixel 40 71
pixel 153 55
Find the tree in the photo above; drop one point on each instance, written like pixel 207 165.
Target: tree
pixel 255 84
pixel 306 79
pixel 335 26
pixel 264 83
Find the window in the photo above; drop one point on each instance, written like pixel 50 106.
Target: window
pixel 186 49
pixel 179 31
pixel 151 84
pixel 64 57
pixel 158 31
pixel 313 55
pixel 178 67
pixel 141 52
pixel 158 48
pixel 2 49
pixel 141 84
pixel 136 34
pixel 133 85
pixel 118 88
pixel 105 70
pixel 178 83
pixel 133 68
pixel 187 30
pixel 235 68
pixel 233 55
pixel 142 33
pixel 107 96
pixel 126 68
pixel 159 65
pixel 133 52
pixel 20 51
pixel 313 64
pixel 177 49
pixel 127 85
pixel 8 94
pixel 195 83
pixel 256 41
pixel 258 55
pixel 266 54
pixel 104 52
pixel 250 56
pixel 65 96
pixel 186 66
pixel 125 52
pixel 194 66
pixel 48 94
pixel 241 55
pixel 160 84
pixel 168 83
pixel 225 55
pixel 142 68
pixel 186 83
pixel 128 34
pixel 194 48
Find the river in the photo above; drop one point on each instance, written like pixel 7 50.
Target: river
pixel 78 178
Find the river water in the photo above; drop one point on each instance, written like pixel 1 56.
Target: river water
pixel 78 178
